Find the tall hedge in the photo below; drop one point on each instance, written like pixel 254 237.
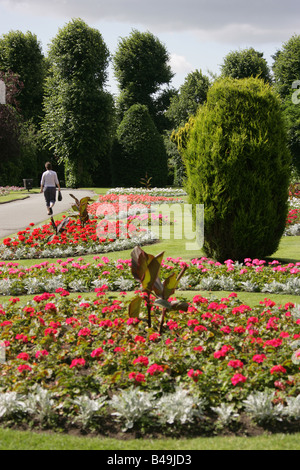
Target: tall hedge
pixel 238 166
pixel 138 151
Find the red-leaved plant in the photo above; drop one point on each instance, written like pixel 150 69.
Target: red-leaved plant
pixel 145 268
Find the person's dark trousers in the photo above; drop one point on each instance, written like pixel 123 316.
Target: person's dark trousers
pixel 50 195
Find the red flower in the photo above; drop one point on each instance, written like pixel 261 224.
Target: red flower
pixel 198 348
pixel 77 362
pixel 50 332
pixel 239 329
pixel 200 328
pixel 139 339
pixel 238 378
pixel 137 376
pixel 194 374
pixel 97 352
pixel 235 364
pixel 155 369
pixel 84 332
pixel 225 329
pixel 23 356
pixel 42 352
pixel 154 336
pixel 24 367
pixel 275 343
pixel 22 337
pixel 50 306
pixel 141 360
pixel 259 358
pixel 223 351
pixel 278 370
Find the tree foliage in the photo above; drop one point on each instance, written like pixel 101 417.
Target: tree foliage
pixel 138 150
pixel 286 66
pixel 141 69
pixel 78 111
pixel 10 131
pixel 238 166
pixel 191 95
pixel 246 63
pixel 22 54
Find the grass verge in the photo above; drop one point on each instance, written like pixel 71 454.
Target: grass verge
pixel 25 440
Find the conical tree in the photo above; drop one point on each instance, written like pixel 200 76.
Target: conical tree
pixel 139 150
pixel 238 166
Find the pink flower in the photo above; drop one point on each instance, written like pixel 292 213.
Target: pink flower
pixel 235 364
pixel 50 331
pixel 278 369
pixel 223 351
pixel 138 377
pixel 238 378
pixel 155 369
pixel 97 352
pixel 84 332
pixel 23 356
pixel 259 358
pixel 50 306
pixel 119 349
pixel 42 352
pixel 139 339
pixel 24 367
pixel 77 362
pixel 72 321
pixel 225 329
pixel 84 305
pixel 239 329
pixel 194 374
pixel 200 328
pixel 106 323
pixel 284 334
pixel 198 348
pixel 141 360
pixel 22 337
pixel 275 343
pixel 54 324
pixel 132 320
pixel 154 336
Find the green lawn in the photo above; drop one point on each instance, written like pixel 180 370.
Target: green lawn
pixel 14 196
pixel 25 440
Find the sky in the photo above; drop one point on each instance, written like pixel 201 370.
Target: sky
pixel 197 34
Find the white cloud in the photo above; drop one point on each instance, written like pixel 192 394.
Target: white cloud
pixel 220 20
pixel 179 64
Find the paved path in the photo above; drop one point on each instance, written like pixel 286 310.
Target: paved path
pixel 16 215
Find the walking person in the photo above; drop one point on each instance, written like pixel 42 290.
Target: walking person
pixel 49 181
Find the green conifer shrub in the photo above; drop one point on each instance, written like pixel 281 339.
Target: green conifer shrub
pixel 238 166
pixel 138 151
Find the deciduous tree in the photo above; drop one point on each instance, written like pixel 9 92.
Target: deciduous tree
pixel 78 110
pixel 246 63
pixel 22 54
pixel 142 70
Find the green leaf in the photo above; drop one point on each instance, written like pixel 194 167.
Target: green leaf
pixel 170 285
pixel 134 307
pixel 163 304
pixel 179 305
pixel 153 270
